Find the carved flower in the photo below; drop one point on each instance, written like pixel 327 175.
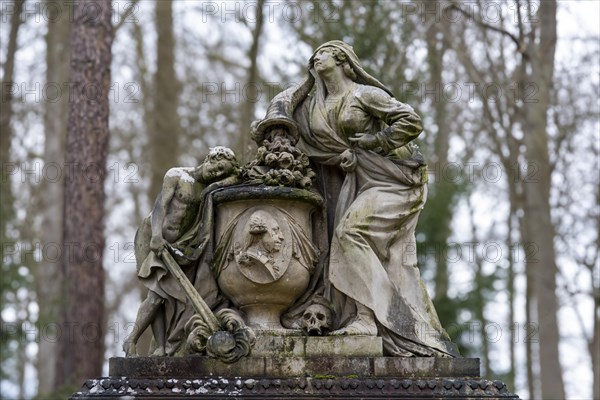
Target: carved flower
pixel 298 175
pixel 285 160
pixel 305 183
pixel 286 177
pixel 260 153
pixel 304 160
pixel 271 159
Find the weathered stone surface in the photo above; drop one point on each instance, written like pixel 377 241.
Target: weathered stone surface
pixel 283 367
pixel 419 367
pixel 363 346
pixel 264 257
pixel 283 346
pixel 183 367
pixel 319 366
pixel 196 377
pixel 297 388
pixel 315 346
pixel 268 193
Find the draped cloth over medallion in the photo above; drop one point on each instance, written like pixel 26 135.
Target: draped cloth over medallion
pixel 372 207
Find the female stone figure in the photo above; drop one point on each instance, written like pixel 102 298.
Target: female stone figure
pixel 374 182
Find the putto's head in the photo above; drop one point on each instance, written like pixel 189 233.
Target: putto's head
pixel 219 152
pixel 218 164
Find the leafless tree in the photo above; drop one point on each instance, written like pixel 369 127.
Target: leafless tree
pixel 81 352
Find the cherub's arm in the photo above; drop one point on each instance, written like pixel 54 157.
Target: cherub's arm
pixel 228 181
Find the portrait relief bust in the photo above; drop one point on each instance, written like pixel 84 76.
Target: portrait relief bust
pixel 263 239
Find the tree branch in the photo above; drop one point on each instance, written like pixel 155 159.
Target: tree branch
pixel 520 45
pixel 126 14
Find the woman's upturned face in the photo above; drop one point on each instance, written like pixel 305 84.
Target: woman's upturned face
pixel 323 60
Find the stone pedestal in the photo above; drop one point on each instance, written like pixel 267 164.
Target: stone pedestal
pixel 300 368
pixel 314 346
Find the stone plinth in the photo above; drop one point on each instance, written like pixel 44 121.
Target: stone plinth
pixel 288 367
pixel 297 388
pixel 315 346
pixel 294 377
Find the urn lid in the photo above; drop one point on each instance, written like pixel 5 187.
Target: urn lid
pixel 278 114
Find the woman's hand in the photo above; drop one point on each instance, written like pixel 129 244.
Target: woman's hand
pixel 365 141
pixel 348 160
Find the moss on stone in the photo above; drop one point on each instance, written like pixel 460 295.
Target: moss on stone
pixel 322 376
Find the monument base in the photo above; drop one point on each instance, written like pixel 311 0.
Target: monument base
pixel 294 377
pixel 317 346
pixel 297 367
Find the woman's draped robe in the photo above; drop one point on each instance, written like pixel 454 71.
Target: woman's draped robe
pixel 372 258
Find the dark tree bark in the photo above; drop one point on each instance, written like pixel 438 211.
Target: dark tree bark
pixel 165 130
pixel 81 345
pixel 49 277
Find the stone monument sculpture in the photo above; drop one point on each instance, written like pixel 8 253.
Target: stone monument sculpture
pixel 301 264
pixel 174 225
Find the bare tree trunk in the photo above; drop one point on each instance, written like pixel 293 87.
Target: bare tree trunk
pixel 541 255
pixel 49 277
pixel 145 340
pixel 165 132
pixel 81 345
pixel 510 287
pixel 161 99
pixel 23 362
pixel 595 342
pixel 7 203
pixel 479 299
pixel 6 112
pixel 21 353
pixel 251 90
pixel 531 364
pixel 536 50
pixel 8 68
pixel 441 195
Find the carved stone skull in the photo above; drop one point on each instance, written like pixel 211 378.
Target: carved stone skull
pixel 316 320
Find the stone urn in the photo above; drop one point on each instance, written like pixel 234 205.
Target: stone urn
pixel 265 255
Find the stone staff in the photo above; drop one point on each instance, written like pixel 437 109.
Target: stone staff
pixel 197 302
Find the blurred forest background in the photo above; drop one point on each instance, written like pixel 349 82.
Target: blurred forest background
pixel 509 93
